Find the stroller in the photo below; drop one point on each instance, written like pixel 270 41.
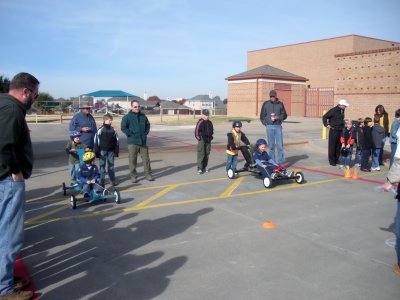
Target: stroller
pixel 278 174
pixel 96 193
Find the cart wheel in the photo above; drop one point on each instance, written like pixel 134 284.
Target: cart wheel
pixel 64 189
pixel 117 197
pixel 73 202
pixel 267 182
pixel 231 174
pixel 299 177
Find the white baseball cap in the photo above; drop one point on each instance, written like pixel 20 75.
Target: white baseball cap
pixel 343 102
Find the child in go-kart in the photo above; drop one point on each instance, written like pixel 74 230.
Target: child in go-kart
pixel 265 164
pixel 89 174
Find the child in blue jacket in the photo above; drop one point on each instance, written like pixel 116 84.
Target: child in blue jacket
pixel 265 164
pixel 88 174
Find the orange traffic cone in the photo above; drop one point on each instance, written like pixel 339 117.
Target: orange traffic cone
pixel 269 225
pixel 355 174
pixel 347 173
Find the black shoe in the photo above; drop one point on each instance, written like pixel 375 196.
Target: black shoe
pixel 85 195
pixel 150 178
pixel 332 164
pixel 134 180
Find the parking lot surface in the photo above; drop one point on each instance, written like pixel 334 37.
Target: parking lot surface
pixel 190 236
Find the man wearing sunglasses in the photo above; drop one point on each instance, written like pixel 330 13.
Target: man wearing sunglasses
pixel 16 163
pixel 136 127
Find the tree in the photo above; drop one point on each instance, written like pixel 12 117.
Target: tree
pixel 153 98
pixel 4 84
pixel 181 102
pixel 45 102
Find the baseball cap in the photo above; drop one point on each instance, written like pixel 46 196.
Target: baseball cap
pixel 343 102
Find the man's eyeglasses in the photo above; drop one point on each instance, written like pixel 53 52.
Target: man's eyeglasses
pixel 36 96
pixel 136 106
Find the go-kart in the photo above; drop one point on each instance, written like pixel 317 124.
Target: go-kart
pixel 278 174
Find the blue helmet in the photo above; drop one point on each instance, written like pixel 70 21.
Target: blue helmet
pixel 261 142
pixel 74 134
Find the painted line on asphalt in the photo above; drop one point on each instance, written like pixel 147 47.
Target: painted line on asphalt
pixel 152 198
pixel 231 188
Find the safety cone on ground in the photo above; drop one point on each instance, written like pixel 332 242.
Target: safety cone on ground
pixel 355 174
pixel 347 173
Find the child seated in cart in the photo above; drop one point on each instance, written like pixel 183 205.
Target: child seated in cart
pixel 265 164
pixel 89 174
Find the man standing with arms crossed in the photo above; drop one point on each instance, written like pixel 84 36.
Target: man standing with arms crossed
pixel 272 115
pixel 16 163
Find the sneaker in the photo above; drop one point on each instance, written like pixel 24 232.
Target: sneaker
pixel 341 166
pixel 206 170
pixel 85 195
pixel 17 295
pixel 396 269
pixel 199 172
pixel 375 169
pixel 150 178
pixel 273 175
pixel 134 180
pixel 365 170
pixel 20 283
pixel 357 165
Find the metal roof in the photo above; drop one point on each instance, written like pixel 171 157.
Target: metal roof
pixel 108 94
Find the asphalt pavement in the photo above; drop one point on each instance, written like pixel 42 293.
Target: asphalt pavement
pixel 190 236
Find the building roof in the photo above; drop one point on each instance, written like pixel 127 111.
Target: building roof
pixel 165 104
pixel 108 94
pixel 327 39
pixel 267 71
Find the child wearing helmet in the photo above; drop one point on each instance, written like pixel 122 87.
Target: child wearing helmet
pixel 88 173
pixel 236 139
pixel 265 164
pixel 73 157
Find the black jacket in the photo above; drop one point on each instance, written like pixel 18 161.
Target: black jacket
pixel 270 107
pixel 367 143
pixel 15 143
pixel 334 117
pixel 106 138
pixel 204 130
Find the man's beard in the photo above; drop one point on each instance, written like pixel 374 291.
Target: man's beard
pixel 29 102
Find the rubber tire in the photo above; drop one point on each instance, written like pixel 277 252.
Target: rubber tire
pixel 267 182
pixel 299 177
pixel 230 174
pixel 64 189
pixel 73 202
pixel 117 197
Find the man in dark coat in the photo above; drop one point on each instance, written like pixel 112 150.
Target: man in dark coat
pixel 84 123
pixel 334 120
pixel 136 127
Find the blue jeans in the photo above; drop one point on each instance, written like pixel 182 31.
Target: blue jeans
pixel 397 226
pixel 73 171
pixel 393 147
pixel 375 157
pixel 381 152
pixel 274 137
pixel 346 160
pixel 267 171
pixel 357 156
pixel 231 162
pixel 365 158
pixel 12 206
pixel 107 157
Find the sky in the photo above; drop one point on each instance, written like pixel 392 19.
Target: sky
pixel 168 48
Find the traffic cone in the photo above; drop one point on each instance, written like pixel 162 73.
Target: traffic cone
pixel 355 174
pixel 347 173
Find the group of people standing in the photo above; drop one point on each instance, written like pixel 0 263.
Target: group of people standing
pixel 368 135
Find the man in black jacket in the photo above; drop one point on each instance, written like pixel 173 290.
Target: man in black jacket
pixel 334 120
pixel 204 134
pixel 16 163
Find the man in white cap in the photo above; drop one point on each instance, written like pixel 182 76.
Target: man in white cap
pixel 334 120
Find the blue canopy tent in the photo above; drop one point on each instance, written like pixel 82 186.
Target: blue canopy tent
pixel 106 94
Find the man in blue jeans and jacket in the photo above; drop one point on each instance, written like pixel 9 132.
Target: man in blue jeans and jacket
pixel 272 115
pixel 16 163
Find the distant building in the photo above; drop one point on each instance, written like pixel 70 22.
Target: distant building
pixel 361 69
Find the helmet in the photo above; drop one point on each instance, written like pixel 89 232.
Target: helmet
pixel 88 156
pixel 261 142
pixel 74 134
pixel 236 124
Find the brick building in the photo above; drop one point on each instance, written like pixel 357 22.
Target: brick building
pixel 369 78
pixel 320 62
